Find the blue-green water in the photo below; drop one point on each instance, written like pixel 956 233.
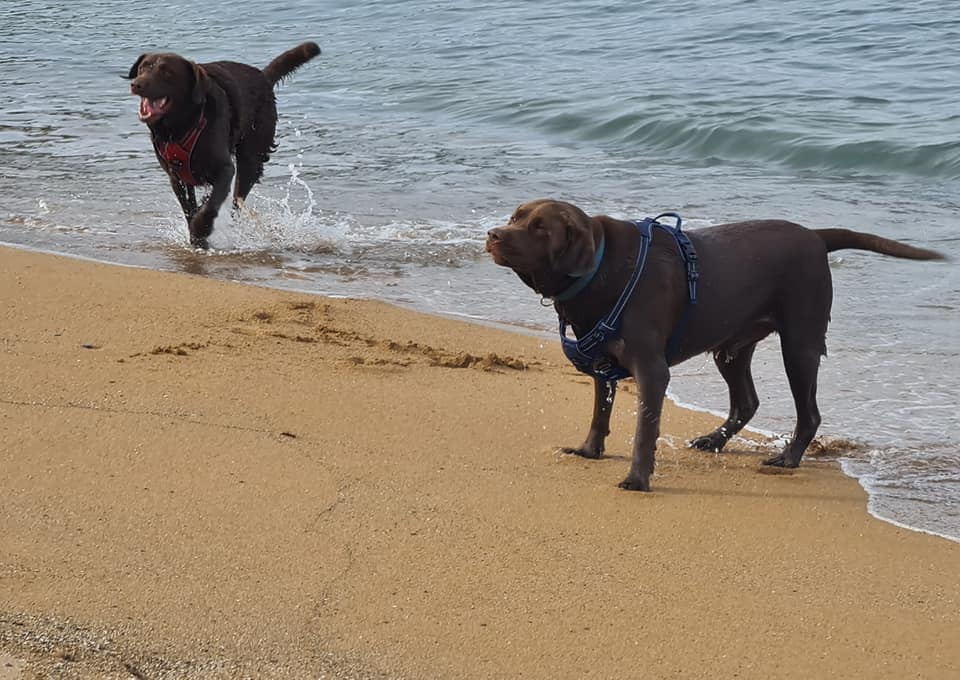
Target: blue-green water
pixel 423 124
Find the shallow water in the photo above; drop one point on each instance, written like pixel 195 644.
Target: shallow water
pixel 423 125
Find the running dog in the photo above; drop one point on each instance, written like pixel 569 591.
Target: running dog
pixel 202 116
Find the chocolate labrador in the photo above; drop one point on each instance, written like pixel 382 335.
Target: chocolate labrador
pixel 754 278
pixel 200 115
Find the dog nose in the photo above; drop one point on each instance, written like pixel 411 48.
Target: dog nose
pixel 493 235
pixel 136 87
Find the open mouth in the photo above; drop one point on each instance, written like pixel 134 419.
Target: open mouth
pixel 152 109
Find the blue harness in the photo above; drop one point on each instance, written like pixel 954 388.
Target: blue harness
pixel 586 353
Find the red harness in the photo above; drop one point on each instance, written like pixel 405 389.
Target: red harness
pixel 176 155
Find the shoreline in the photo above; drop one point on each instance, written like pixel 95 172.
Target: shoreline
pixel 542 334
pixel 888 520
pixel 212 479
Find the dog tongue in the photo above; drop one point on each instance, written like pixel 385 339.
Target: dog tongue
pixel 150 107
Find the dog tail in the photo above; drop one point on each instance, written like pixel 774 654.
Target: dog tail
pixel 838 239
pixel 290 61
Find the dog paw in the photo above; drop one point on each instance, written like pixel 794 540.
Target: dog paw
pixel 635 484
pixel 714 442
pixel 583 452
pixel 201 226
pixel 782 461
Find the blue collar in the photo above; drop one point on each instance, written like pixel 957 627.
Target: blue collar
pixel 583 281
pixel 586 353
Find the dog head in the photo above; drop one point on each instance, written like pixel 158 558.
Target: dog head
pixel 166 82
pixel 546 243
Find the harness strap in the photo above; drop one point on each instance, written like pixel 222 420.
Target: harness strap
pixel 176 155
pixel 585 353
pixel 689 255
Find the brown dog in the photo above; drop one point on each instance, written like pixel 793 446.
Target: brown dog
pixel 755 278
pixel 200 115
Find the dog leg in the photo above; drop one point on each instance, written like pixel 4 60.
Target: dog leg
pixel 249 172
pixel 191 203
pixel 734 366
pixel 802 361
pixel 592 447
pixel 652 380
pixel 201 224
pixel 186 196
pixel 253 151
pixel 240 207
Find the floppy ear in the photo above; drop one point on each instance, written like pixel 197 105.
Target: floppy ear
pixel 135 67
pixel 201 84
pixel 574 255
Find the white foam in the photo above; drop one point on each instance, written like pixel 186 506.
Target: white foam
pixel 866 481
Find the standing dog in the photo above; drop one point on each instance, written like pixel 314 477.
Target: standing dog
pixel 755 278
pixel 201 115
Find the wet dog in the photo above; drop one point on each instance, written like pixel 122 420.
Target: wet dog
pixel 202 116
pixel 755 278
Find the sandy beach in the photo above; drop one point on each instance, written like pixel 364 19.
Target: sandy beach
pixel 209 480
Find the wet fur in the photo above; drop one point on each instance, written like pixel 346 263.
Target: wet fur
pixel 756 278
pixel 240 108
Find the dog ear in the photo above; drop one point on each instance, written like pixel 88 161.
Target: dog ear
pixel 574 255
pixel 201 84
pixel 135 67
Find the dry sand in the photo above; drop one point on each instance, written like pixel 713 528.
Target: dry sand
pixel 206 480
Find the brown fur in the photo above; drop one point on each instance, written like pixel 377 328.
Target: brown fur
pixel 238 103
pixel 756 278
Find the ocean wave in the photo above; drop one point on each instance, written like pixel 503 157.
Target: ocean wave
pixel 757 139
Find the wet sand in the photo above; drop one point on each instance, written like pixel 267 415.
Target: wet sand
pixel 207 480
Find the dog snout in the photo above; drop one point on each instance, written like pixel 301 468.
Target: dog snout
pixel 494 237
pixel 136 87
